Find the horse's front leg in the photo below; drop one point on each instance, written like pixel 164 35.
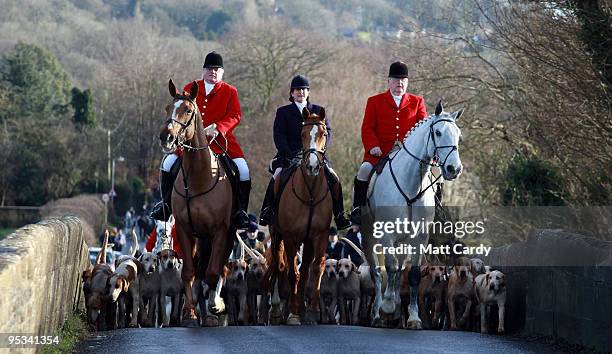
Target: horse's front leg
pixel 294 278
pixel 389 301
pixel 318 265
pixel 220 251
pixel 187 275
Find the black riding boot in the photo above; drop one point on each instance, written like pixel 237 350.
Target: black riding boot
pixel 267 208
pixel 338 206
pixel 162 210
pixel 241 219
pixel 360 191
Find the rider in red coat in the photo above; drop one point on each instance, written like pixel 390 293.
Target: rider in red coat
pixel 218 103
pixel 389 116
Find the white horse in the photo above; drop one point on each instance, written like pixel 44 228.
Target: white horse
pixel 403 191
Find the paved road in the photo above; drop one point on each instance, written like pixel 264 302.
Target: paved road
pixel 304 339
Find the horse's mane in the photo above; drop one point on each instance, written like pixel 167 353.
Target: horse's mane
pixel 417 126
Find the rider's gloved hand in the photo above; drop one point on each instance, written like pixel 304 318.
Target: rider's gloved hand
pixel 376 151
pixel 212 133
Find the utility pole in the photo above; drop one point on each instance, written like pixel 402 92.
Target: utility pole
pixel 108 132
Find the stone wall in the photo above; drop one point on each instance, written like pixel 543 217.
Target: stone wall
pixel 560 286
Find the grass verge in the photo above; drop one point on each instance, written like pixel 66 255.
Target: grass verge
pixel 73 331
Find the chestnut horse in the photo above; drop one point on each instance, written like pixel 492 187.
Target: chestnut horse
pixel 304 217
pixel 201 202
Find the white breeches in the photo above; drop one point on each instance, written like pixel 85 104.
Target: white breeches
pixel 168 162
pixel 243 168
pixel 364 171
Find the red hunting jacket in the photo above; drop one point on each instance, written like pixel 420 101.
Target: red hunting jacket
pixel 384 123
pixel 220 106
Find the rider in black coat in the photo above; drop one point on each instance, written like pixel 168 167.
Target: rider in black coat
pixel 288 142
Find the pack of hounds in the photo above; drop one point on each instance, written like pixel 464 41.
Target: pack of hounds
pixel 146 290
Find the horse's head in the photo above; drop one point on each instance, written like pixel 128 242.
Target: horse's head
pixel 444 135
pixel 180 124
pixel 314 137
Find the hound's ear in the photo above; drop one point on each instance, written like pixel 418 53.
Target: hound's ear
pixel 424 270
pixel 322 114
pixel 458 114
pixel 172 89
pixel 355 268
pixel 194 91
pixel 439 108
pixel 488 277
pixel 305 113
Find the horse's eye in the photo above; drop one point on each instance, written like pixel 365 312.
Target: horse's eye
pixel 438 133
pixel 189 111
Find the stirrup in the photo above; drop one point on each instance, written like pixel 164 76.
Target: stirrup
pixel 161 211
pixel 266 216
pixel 241 219
pixel 356 216
pixel 342 222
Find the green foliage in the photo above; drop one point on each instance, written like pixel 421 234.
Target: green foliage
pixel 45 166
pixel 35 82
pixel 74 329
pixel 82 103
pixel 129 193
pixel 532 181
pixel 219 22
pixel 5 232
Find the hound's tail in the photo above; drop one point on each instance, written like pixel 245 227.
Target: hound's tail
pixel 357 249
pixel 135 248
pixel 101 259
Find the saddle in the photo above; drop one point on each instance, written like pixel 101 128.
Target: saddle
pixel 380 165
pixel 231 169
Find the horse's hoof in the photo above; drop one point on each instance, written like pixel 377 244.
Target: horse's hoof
pixel 190 322
pixel 377 322
pixel 312 317
pixel 293 320
pixel 219 306
pixel 211 321
pixel 415 324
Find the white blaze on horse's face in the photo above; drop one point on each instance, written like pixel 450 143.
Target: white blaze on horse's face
pixel 446 137
pixel 177 105
pixel 313 161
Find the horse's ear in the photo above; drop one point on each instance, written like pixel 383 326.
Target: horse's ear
pixel 194 91
pixel 322 114
pixel 305 113
pixel 458 114
pixel 172 89
pixel 439 108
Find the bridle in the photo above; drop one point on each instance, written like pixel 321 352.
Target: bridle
pixel 435 158
pixel 320 154
pixel 181 140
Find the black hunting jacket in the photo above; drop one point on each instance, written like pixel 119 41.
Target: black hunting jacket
pixel 288 129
